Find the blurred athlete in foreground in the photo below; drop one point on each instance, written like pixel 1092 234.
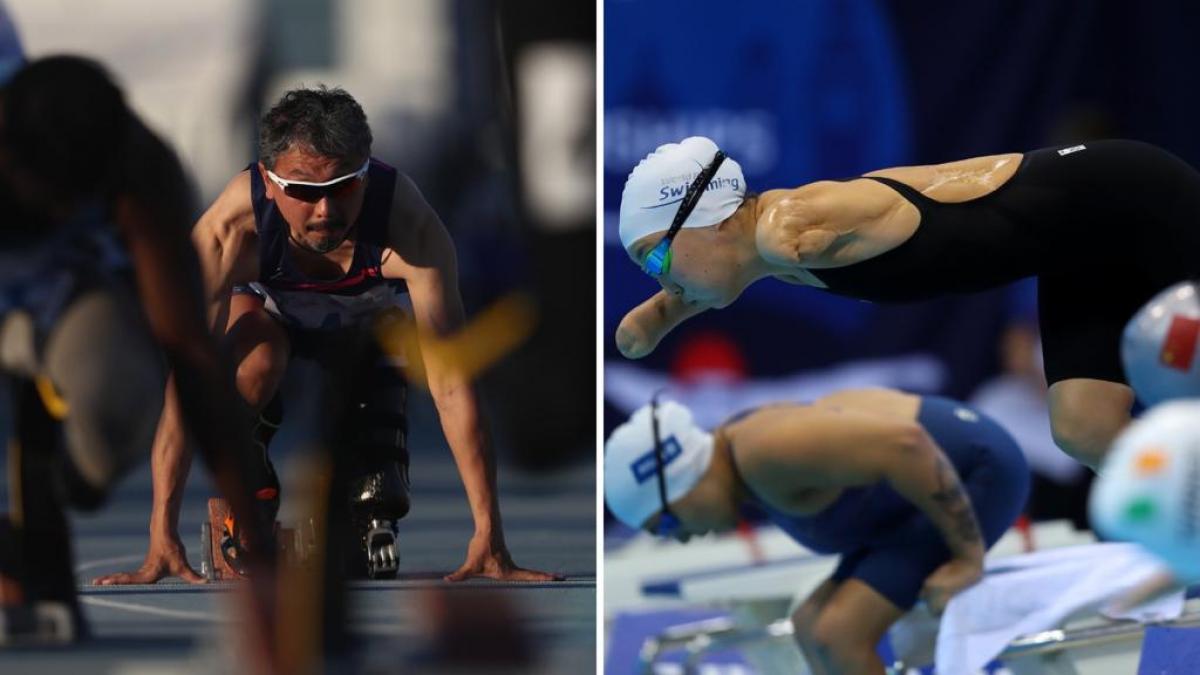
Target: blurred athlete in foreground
pixel 910 491
pixel 1104 226
pixel 302 253
pixel 100 283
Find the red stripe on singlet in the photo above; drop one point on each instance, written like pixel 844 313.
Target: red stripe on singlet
pixel 328 286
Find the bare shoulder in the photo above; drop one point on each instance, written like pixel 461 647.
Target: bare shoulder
pixel 862 198
pixel 767 427
pixel 230 217
pixel 873 400
pixel 225 237
pixel 956 181
pixel 808 220
pixel 415 232
pixel 823 444
pixel 970 163
pixel 771 445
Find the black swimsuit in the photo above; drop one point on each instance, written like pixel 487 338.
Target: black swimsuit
pixel 1103 225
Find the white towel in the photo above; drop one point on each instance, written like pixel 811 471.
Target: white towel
pixel 1026 594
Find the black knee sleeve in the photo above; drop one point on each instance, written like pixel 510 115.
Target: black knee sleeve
pixel 263 479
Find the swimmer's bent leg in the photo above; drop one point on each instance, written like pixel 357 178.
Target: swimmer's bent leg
pixel 839 626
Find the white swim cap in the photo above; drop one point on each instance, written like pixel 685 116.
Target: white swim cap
pixel 1148 490
pixel 657 185
pixel 630 465
pixel 1160 347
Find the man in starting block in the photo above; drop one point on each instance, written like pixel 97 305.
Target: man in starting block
pixel 302 253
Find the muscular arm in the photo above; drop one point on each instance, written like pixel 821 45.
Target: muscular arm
pixel 645 325
pixel 420 239
pixel 226 245
pixel 432 278
pixel 841 448
pixel 830 224
pixel 793 229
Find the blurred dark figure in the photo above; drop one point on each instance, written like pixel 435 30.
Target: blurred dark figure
pixel 99 282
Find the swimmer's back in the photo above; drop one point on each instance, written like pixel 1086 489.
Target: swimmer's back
pixel 1093 206
pixel 833 519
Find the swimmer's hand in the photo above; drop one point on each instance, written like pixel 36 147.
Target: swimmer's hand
pixel 645 325
pixel 949 580
pixel 489 558
pixel 166 557
pixel 1153 588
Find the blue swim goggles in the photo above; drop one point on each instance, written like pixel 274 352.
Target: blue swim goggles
pixel 658 260
pixel 668 522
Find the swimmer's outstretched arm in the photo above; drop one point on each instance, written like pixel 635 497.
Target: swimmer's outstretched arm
pixel 645 325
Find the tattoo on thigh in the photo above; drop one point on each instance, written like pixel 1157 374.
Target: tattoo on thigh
pixel 954 501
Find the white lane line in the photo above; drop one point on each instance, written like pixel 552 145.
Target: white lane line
pixel 156 611
pixel 92 564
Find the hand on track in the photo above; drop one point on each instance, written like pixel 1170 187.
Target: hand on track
pixel 491 559
pixel 165 558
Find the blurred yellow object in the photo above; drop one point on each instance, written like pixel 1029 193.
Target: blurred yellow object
pixel 496 332
pixel 55 404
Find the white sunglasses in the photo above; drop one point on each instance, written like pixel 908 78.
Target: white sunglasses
pixel 312 192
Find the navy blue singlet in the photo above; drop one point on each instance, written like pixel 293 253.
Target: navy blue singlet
pixel 327 304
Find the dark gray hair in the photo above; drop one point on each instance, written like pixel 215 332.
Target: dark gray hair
pixel 328 122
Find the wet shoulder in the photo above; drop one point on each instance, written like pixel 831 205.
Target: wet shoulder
pixel 957 181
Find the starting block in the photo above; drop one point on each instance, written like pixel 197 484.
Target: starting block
pixel 218 549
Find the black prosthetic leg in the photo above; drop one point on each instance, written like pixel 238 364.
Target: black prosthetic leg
pixel 378 488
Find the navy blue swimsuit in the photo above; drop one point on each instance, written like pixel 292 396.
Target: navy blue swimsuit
pixel 885 541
